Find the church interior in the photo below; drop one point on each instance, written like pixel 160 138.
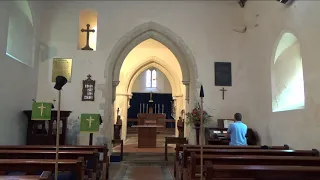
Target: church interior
pixel 140 90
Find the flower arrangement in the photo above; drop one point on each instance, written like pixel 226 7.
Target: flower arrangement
pixel 194 116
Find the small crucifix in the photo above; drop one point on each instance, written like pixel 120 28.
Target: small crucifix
pixel 41 109
pixel 88 31
pixel 223 90
pixel 90 121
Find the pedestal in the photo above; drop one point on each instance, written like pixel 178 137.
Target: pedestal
pixel 117 131
pixel 197 127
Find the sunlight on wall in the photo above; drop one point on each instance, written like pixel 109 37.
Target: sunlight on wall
pixel 20 39
pixel 88 17
pixel 287 76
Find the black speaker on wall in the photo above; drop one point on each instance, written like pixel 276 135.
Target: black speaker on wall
pixel 223 74
pixel 283 1
pixel 242 3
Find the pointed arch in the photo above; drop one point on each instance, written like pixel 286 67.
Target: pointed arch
pixel 159 33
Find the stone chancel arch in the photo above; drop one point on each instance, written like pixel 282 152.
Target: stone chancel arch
pixel 129 41
pixel 159 33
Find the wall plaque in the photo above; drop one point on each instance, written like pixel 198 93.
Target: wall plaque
pixel 88 89
pixel 223 73
pixel 61 67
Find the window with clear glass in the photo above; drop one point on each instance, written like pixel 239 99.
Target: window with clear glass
pixel 154 79
pixel 151 78
pixel 148 78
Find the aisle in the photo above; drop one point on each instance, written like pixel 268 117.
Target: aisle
pixel 144 171
pixel 131 145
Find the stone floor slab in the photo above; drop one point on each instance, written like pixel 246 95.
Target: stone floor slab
pixel 136 171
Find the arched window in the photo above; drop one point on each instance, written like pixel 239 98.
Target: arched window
pixel 154 79
pixel 20 40
pixel 151 78
pixel 287 75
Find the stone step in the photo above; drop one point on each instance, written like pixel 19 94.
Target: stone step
pixel 146 157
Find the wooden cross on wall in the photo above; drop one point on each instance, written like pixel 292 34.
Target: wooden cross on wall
pixel 88 31
pixel 223 90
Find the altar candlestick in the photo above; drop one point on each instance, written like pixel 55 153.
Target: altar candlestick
pixel 155 108
pixel 158 108
pixel 162 108
pixel 140 108
pixel 143 108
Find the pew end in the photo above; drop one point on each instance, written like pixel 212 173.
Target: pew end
pixel 287 146
pixel 46 175
pixel 316 152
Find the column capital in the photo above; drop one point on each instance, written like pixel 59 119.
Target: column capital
pixel 115 83
pixel 186 83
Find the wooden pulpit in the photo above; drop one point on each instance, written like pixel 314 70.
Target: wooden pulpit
pixel 44 132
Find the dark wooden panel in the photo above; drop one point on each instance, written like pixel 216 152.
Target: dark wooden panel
pixel 223 74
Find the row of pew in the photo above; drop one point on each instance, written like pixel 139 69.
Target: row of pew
pixel 224 162
pixel 38 162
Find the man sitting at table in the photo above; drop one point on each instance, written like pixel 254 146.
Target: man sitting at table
pixel 237 132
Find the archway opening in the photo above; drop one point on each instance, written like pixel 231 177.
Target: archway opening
pixel 120 51
pixel 149 71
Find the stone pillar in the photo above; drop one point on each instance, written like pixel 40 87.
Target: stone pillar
pixel 187 97
pixel 178 99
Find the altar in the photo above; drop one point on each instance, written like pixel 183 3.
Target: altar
pixel 149 125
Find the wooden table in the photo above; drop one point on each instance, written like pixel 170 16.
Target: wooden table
pixel 147 136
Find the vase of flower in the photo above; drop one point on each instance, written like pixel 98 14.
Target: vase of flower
pixel 193 118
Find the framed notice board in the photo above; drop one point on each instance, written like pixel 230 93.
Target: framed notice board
pixel 223 74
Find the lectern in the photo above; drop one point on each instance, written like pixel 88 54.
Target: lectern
pixel 147 128
pixel 44 132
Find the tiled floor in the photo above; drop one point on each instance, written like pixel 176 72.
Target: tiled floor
pixel 142 163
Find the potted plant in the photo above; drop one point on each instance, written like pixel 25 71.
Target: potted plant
pixel 193 117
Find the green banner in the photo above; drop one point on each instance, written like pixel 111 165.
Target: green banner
pixel 41 111
pixel 90 122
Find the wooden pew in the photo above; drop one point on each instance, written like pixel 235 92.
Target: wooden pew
pixel 263 172
pixel 173 140
pixel 35 165
pixel 182 168
pixel 101 149
pixel 179 149
pixel 45 175
pixel 193 166
pixel 91 156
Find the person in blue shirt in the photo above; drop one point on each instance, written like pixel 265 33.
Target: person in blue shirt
pixel 237 132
